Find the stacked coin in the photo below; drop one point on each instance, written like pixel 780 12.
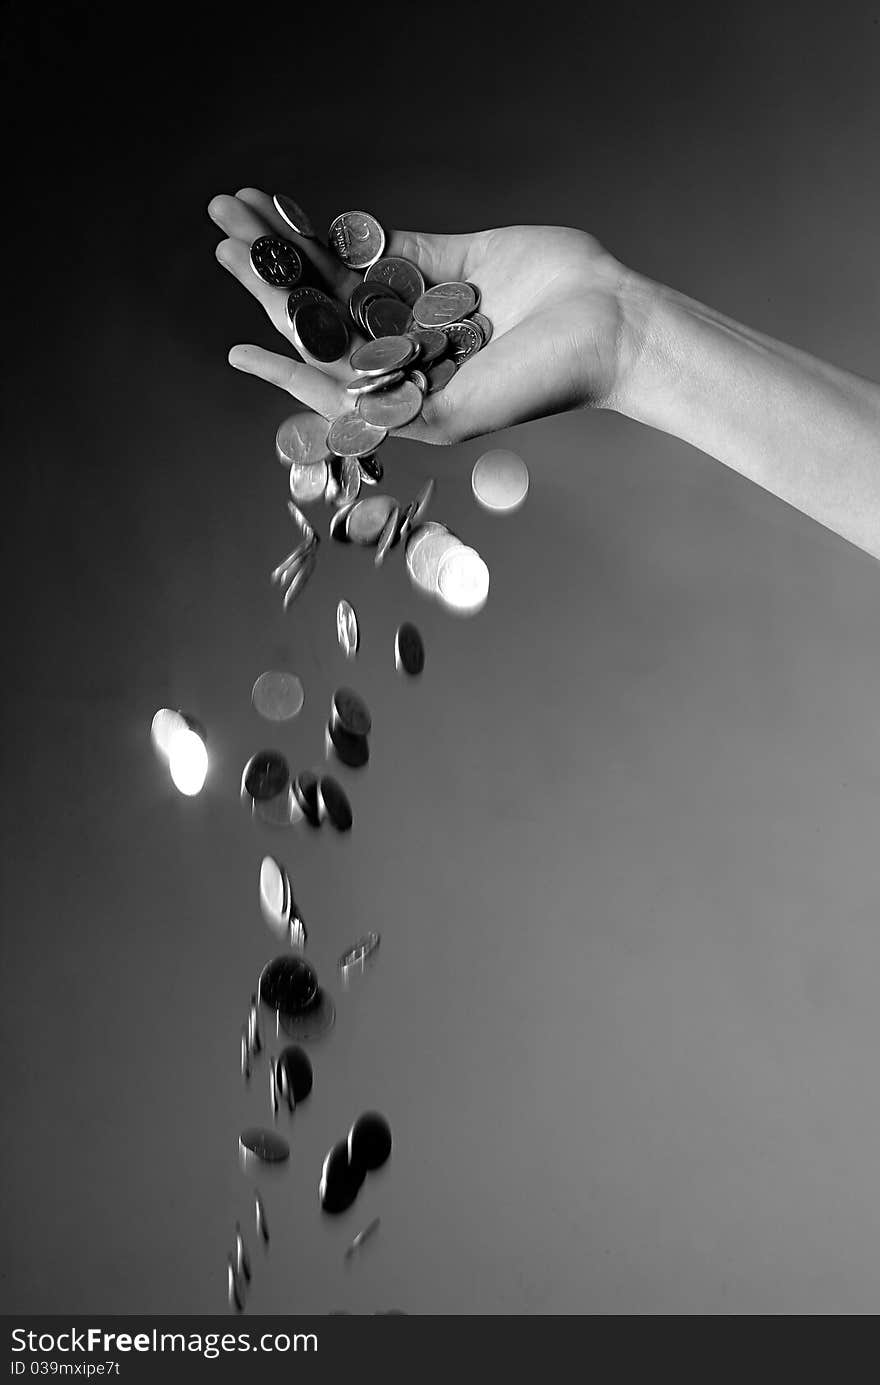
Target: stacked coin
pixel 348 728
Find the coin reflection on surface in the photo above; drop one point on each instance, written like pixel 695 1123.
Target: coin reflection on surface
pixel 500 481
pixel 463 580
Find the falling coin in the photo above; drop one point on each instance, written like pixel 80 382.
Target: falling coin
pixel 164 725
pixel 276 262
pixel 301 522
pixel 350 712
pixel 294 215
pixel 301 578
pixel 392 408
pixel 308 483
pixel 359 951
pixel 347 631
pixel 260 1215
pixel 352 436
pixel 500 481
pixel 277 696
pixel 265 775
pixel 353 751
pixel 388 537
pixel 341 1181
pixel 372 470
pixel 368 518
pixel 305 788
pixel 275 895
pixel 409 650
pixel 369 1141
pixel 463 579
pixel 357 238
pixel 362 1236
pixel 302 439
pixel 273 1090
pixel 350 483
pixel 233 1286
pixel 242 1259
pixel 266 1145
pixel 423 559
pixel 288 985
pixel 333 803
pixel 294 1073
pixel 339 522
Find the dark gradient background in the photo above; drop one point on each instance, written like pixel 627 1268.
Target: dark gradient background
pixel 620 840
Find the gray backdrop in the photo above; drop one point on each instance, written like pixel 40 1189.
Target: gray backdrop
pixel 618 840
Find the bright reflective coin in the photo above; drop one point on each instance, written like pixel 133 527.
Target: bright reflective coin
pixel 291 563
pixel 368 518
pixel 293 214
pixel 298 582
pixel 420 379
pixel 383 355
pixel 465 340
pixel 349 711
pixel 388 537
pixel 398 274
pixel 276 262
pixel 392 408
pixel 308 483
pixel 288 985
pixel 443 304
pixel 369 384
pixel 432 344
pixel 386 317
pixel 409 650
pixel 265 1145
pixel 319 332
pixel 187 761
pixel 347 630
pixel 500 480
pixel 439 375
pixel 339 521
pixel 163 727
pixel 265 775
pixel 302 440
pixel 423 559
pixel 369 1142
pixel 353 436
pixel 357 238
pixel 301 522
pixel 350 481
pixel 463 579
pixel 333 803
pixel 277 696
pixel 275 895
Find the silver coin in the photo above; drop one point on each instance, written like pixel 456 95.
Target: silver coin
pixel 383 355
pixel 260 1216
pixel 242 1259
pixel 276 262
pixel 350 480
pixel 319 332
pixel 275 895
pixel 388 537
pixel 409 650
pixel 359 951
pixel 277 696
pixel 369 384
pixel 305 294
pixel 299 581
pixel 353 436
pixel 386 317
pixel 398 274
pixel 301 522
pixel 368 518
pixel 439 375
pixel 347 629
pixel 463 579
pixel 308 483
pixel 431 342
pixel 349 711
pixel 302 439
pixel 265 1145
pixel 423 500
pixel 485 326
pixel 293 214
pixel 406 525
pixel 234 1286
pixel 477 294
pixel 392 408
pixel 245 1056
pixel 332 490
pixel 444 303
pixel 357 239
pixel 362 294
pixel 273 1089
pixel 500 481
pixel 372 470
pixel 164 725
pixel 339 521
pixel 423 559
pixel 465 340
pixel 290 566
pixel 419 379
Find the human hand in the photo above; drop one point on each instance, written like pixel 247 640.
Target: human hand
pixel 553 295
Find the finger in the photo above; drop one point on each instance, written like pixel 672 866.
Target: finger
pixel 237 219
pixel 311 386
pixel 340 280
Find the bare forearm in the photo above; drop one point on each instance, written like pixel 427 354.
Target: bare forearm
pixel 806 431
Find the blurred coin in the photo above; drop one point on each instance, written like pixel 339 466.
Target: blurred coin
pixel 294 1074
pixel 369 1142
pixel 362 1236
pixel 347 631
pixel 245 1056
pixel 301 522
pixel 288 985
pixel 300 579
pixel 310 1024
pixel 500 480
pixel 409 650
pixel 333 803
pixel 349 711
pixel 484 325
pixel 308 483
pixel 280 811
pixel 260 1215
pixel 398 274
pixel 340 1181
pixel 302 439
pixel 277 696
pixel 164 725
pixel 275 895
pixel 444 303
pixel 388 536
pixel 293 214
pixel 357 239
pixel 369 384
pixel 372 470
pixel 423 559
pixel 431 342
pixel 439 375
pixel 359 951
pixel 392 408
pixel 242 1259
pixel 352 436
pixel 386 317
pixel 319 332
pixel 266 775
pixel 276 262
pixel 422 501
pixel 383 355
pixel 407 523
pixel 339 521
pixel 234 1287
pixel 350 484
pixel 367 518
pixel 352 750
pixel 305 788
pixel 290 565
pixel 420 379
pixel 465 340
pixel 264 1144
pixel 273 1090
pixel 463 579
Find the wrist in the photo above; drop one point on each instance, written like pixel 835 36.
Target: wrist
pixel 642 344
